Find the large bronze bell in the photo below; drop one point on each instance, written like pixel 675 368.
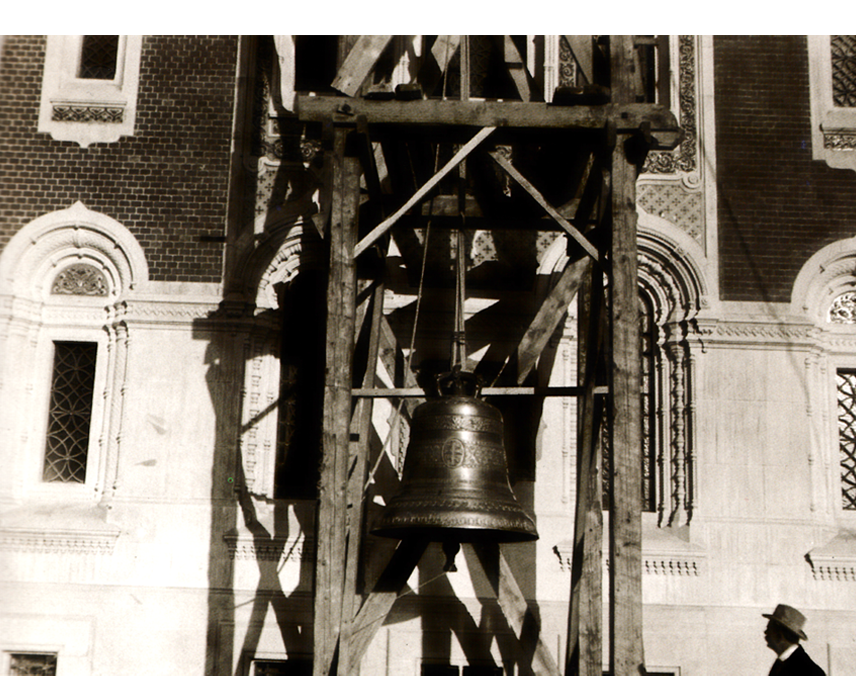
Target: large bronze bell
pixel 454 485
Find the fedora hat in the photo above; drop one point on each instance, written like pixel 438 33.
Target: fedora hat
pixel 790 618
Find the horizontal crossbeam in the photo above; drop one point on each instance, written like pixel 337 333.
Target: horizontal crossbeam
pixel 507 114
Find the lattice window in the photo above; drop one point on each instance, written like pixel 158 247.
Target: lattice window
pixel 98 56
pixel 32 664
pixel 70 412
pixel 846 381
pixel 843 52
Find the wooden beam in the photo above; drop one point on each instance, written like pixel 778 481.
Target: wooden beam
pixel 584 654
pixel 379 602
pixel 625 512
pixel 359 63
pixel 551 312
pixel 507 114
pixel 518 614
pixel 332 501
pixel 566 226
pixel 459 156
pixel 444 50
pixel 581 47
pixel 517 68
pixel 362 424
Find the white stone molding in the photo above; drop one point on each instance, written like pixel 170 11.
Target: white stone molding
pixel 57 529
pixel 57 541
pixel 275 262
pixel 274 549
pixel 833 128
pixel 662 555
pixel 48 244
pixel 88 110
pixel 828 273
pixel 831 345
pixel 835 561
pixel 36 316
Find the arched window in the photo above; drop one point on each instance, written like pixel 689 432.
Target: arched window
pixel 64 277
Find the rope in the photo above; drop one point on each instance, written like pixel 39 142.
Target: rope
pixel 397 416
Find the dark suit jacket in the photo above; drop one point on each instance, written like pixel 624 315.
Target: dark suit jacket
pixel 798 663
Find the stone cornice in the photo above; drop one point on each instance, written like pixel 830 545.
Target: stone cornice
pixel 835 561
pixel 751 332
pixel 249 547
pixel 31 540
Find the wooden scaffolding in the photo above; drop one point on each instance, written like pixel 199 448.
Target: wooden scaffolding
pixel 618 128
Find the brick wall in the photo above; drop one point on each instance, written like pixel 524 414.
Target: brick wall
pixel 167 184
pixel 776 205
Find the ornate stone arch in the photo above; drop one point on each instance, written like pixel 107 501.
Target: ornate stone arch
pixel 50 243
pixel 286 251
pixel 65 276
pixel 827 275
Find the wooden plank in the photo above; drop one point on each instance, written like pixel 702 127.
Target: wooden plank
pixel 584 654
pixel 379 602
pixel 359 63
pixel 356 494
pixel 341 299
pixel 625 515
pixel 512 114
pixel 566 226
pixel 514 606
pixel 459 156
pixel 551 312
pixel 444 50
pixel 581 47
pixel 516 68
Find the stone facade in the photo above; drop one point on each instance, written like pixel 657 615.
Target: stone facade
pixel 181 251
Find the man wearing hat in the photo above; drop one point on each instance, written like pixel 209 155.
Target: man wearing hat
pixel 783 633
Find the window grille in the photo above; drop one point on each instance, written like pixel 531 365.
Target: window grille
pixel 846 381
pixel 98 57
pixel 70 412
pixel 843 52
pixel 32 664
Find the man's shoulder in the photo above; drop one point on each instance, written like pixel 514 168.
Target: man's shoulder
pixel 802 662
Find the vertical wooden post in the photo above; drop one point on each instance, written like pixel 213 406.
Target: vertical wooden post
pixel 625 512
pixel 349 663
pixel 585 649
pixel 331 528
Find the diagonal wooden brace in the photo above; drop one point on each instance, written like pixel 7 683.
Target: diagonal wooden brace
pixel 538 197
pixel 462 153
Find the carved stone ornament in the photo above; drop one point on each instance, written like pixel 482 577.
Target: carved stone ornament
pixel 80 280
pixel 269 549
pixel 58 541
pixel 835 561
pixel 843 309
